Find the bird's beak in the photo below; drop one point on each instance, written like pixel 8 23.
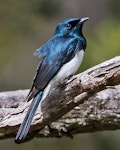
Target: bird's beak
pixel 82 20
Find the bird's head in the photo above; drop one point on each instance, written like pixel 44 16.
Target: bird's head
pixel 70 27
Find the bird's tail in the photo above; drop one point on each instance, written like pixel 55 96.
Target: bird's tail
pixel 24 127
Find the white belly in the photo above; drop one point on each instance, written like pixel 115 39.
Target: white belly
pixel 68 69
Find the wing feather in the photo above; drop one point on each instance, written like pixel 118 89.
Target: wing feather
pixel 58 52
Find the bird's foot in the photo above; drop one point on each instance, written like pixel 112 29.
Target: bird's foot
pixel 63 83
pixel 60 84
pixel 68 78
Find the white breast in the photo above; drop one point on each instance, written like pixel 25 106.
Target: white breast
pixel 70 68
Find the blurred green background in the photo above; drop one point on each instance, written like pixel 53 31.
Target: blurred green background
pixel 27 24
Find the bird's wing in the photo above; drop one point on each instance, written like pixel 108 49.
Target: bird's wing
pixel 40 52
pixel 59 52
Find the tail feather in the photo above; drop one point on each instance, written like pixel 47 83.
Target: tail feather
pixel 24 128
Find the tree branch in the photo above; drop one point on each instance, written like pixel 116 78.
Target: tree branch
pixel 78 106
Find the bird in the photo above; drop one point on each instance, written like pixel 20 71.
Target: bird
pixel 61 57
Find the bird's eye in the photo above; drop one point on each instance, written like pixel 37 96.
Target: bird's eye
pixel 69 26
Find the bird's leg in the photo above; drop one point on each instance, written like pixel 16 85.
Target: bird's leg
pixel 63 83
pixel 59 84
pixel 68 78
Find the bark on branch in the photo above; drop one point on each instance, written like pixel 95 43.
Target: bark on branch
pixel 88 102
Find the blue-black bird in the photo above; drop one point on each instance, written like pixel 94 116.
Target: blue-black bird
pixel 61 58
